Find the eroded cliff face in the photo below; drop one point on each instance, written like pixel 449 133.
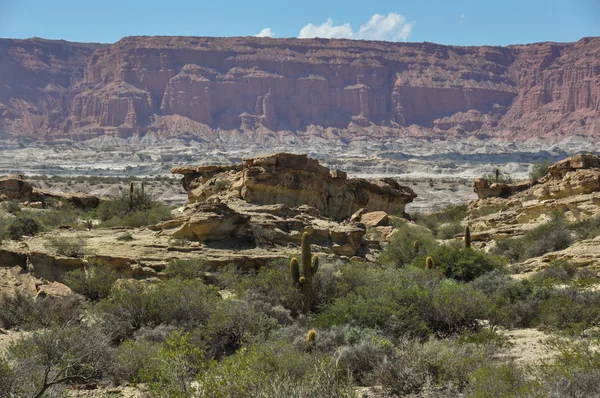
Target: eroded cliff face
pixel 192 84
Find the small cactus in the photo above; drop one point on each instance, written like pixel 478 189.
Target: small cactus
pixel 311 336
pixel 467 237
pixel 417 246
pixel 429 263
pixel 142 190
pixel 497 175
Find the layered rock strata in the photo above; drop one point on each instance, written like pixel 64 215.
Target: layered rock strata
pixel 174 85
pixel 571 187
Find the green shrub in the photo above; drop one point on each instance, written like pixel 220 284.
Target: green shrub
pixel 23 225
pixel 126 237
pixel 503 380
pixel 401 250
pixel 138 210
pixel 133 359
pixel 24 311
pixel 70 246
pixel 551 236
pixel 12 207
pixel 272 284
pixel 186 269
pixel 445 364
pixel 43 361
pixel 170 372
pixel 461 264
pixel 444 223
pixel 539 170
pixel 586 228
pixel 94 282
pixel 455 307
pixel 132 305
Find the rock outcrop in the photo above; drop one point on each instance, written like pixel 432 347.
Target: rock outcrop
pixel 17 188
pixel 296 180
pixel 174 85
pixel 571 187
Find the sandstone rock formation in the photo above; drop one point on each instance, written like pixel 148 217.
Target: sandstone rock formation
pixel 571 187
pixel 17 188
pixel 275 199
pixel 296 180
pixel 174 85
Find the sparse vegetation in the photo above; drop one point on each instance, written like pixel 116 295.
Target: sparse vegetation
pixel 131 209
pixel 539 169
pixel 70 246
pixel 551 236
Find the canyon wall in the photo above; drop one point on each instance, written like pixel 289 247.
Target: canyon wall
pixel 172 85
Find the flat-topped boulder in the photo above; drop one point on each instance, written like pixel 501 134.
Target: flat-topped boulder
pixel 15 187
pixel 296 180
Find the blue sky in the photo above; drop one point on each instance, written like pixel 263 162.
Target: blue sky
pixel 460 22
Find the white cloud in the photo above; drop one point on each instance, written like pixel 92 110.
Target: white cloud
pixel 462 19
pixel 327 30
pixel 393 27
pixel 266 32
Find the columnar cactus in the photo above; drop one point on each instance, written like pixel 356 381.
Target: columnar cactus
pixel 131 195
pixel 416 246
pixel 467 237
pixel 429 263
pixel 310 265
pixel 142 191
pixel 497 175
pixel 295 271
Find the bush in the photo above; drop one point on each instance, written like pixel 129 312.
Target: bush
pixel 455 307
pixel 551 236
pixel 574 372
pixel 586 228
pixel 444 222
pixel 170 372
pixel 12 207
pixel 261 372
pixel 26 312
pixel 186 269
pixel 461 264
pixel 401 250
pixel 440 364
pixel 45 360
pixel 539 170
pixel 23 225
pixel 503 380
pixel 94 282
pixel 273 285
pixel 70 246
pixel 140 211
pixel 132 305
pixel 126 237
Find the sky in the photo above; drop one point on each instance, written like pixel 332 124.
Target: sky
pixel 457 22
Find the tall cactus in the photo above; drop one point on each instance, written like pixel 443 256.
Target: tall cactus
pixel 310 265
pixel 417 246
pixel 142 192
pixel 131 195
pixel 497 175
pixel 467 237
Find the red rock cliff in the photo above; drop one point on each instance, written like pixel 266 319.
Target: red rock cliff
pixel 142 84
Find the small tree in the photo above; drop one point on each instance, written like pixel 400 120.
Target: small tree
pixel 53 357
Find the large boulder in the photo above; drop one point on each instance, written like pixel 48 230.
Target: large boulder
pixel 15 187
pixel 296 180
